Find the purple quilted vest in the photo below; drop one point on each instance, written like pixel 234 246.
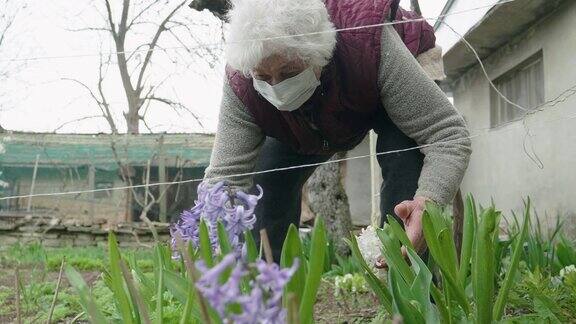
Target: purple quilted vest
pixel 344 105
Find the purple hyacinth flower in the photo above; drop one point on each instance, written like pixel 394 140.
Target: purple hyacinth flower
pixel 215 204
pixel 261 304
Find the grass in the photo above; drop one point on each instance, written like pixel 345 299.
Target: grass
pixel 39 266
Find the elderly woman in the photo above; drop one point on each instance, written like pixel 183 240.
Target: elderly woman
pixel 297 91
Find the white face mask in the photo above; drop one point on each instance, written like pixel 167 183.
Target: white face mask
pixel 291 93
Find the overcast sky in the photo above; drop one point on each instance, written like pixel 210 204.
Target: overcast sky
pixel 38 98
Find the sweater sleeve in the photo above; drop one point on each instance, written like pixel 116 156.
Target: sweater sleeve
pixel 237 144
pixel 423 112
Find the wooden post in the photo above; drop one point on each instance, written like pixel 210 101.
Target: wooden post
pixel 32 185
pixel 374 183
pixel 162 179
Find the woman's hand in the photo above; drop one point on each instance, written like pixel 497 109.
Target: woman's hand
pixel 410 212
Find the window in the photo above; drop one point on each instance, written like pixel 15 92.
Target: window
pixel 523 85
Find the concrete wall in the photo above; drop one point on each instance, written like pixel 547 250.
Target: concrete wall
pixel 500 169
pixel 82 208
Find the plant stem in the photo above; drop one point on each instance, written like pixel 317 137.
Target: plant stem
pixel 266 245
pixel 17 283
pixel 56 292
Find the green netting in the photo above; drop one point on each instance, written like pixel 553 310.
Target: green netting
pixel 104 151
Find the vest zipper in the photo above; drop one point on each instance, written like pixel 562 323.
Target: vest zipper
pixel 325 145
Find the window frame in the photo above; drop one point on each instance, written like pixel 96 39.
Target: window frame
pixel 501 115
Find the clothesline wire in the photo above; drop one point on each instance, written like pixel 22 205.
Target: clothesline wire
pixel 220 43
pixel 485 131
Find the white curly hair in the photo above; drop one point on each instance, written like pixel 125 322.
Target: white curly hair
pixel 251 21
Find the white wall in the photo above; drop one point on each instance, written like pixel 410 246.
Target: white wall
pixel 499 168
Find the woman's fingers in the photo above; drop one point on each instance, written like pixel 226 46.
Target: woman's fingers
pixel 404 209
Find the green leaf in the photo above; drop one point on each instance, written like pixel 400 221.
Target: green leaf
pixel 566 252
pixel 86 298
pixel 399 232
pixel 177 285
pixel 516 254
pixel 206 245
pixel 483 266
pixel 188 307
pixel 251 246
pixel 421 286
pixel 378 287
pixel 159 274
pixel 392 252
pixel 292 249
pixel 433 233
pixel 123 303
pixel 470 219
pixel 403 299
pixel 315 267
pixel 446 240
pixel 223 239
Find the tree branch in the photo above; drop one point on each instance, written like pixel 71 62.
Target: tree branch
pixel 176 105
pixel 153 43
pixel 75 121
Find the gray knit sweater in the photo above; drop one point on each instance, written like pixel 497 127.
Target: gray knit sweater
pixel 413 102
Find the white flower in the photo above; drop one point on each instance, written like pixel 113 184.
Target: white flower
pixel 567 270
pixel 369 245
pixel 556 281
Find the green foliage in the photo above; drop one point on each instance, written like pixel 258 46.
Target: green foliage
pixel 541 298
pixel 410 284
pixel 566 253
pixel 314 271
pixel 524 277
pixel 350 284
pixel 539 252
pixel 129 293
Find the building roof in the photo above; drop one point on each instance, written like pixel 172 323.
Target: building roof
pixel 72 150
pixel 498 26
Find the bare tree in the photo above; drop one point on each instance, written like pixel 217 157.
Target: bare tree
pixel 157 19
pixel 8 14
pixel 123 24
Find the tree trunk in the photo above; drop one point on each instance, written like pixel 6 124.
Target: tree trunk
pixel 327 198
pixel 132 120
pixel 458 215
